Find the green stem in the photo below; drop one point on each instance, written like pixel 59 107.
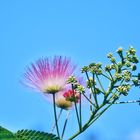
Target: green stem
pixel 127 102
pixel 98 115
pixel 94 94
pixel 111 75
pixel 80 111
pixel 76 134
pixel 88 99
pixel 106 74
pixel 75 105
pixel 111 85
pixel 77 116
pixel 55 115
pixel 64 128
pixel 100 84
pixel 57 120
pixel 90 121
pixel 95 98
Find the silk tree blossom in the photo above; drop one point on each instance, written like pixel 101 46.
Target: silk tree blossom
pixel 49 75
pixel 61 101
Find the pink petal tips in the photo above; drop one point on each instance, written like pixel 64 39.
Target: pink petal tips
pixel 49 75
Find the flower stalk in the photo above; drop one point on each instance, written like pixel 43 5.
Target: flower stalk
pixel 55 116
pixel 65 124
pixel 53 127
pixel 92 90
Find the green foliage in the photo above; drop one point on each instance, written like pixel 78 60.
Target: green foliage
pixel 34 135
pixel 6 134
pixel 25 135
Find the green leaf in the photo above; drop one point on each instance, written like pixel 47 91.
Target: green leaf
pixel 26 135
pixel 6 134
pixel 34 135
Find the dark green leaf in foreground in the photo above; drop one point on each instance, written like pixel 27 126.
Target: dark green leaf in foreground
pixel 6 134
pixel 26 135
pixel 34 135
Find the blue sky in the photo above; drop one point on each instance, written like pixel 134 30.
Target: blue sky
pixel 83 30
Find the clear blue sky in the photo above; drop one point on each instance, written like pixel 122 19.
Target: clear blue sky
pixel 85 31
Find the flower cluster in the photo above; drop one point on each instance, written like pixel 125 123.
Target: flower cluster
pixel 123 89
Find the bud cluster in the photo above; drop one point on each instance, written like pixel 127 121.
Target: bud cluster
pixel 72 80
pixel 120 72
pixel 123 89
pixel 118 76
pixel 85 69
pixel 90 82
pixel 109 67
pixel 131 55
pixel 124 68
pixel 127 75
pixel 95 68
pixel 80 88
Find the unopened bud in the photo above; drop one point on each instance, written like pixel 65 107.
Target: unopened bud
pixel 109 55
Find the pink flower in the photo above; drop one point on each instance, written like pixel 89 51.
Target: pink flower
pixel 72 95
pixel 49 75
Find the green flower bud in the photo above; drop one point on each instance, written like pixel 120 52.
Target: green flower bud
pixel 138 76
pixel 72 80
pixel 92 65
pixel 127 75
pixel 127 79
pixel 129 58
pixel 108 68
pixel 90 83
pixel 136 82
pixel 119 51
pixel 134 59
pixel 124 89
pixel 99 65
pixel 112 59
pixel 133 67
pixel 127 53
pixel 97 91
pixel 119 64
pixel 127 64
pixel 95 68
pixel 118 76
pixel 84 69
pixel 80 89
pixel 132 51
pixel 109 55
pixel 99 72
pixel 112 66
